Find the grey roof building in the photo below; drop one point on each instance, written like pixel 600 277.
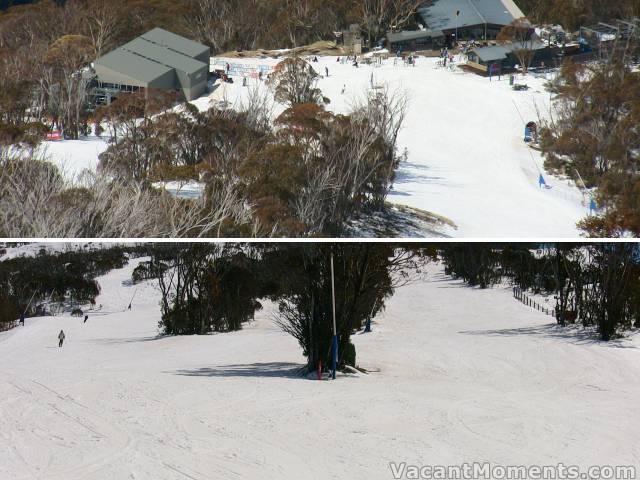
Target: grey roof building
pixel 505 55
pixel 471 18
pixel 157 59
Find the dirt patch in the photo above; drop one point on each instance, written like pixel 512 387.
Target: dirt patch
pixel 322 48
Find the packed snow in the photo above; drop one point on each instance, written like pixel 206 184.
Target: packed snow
pixel 467 160
pixel 455 375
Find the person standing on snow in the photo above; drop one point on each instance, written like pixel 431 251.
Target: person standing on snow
pixel 22 319
pixel 61 337
pixel 326 71
pixel 86 317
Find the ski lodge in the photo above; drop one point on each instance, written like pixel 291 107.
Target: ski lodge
pixel 443 20
pixel 158 59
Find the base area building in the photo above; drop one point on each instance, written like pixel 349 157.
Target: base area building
pixel 158 59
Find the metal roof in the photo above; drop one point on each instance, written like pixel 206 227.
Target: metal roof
pixel 154 54
pixel 500 52
pixel 175 42
pixel 441 14
pixel 162 55
pixel 406 36
pixel 133 65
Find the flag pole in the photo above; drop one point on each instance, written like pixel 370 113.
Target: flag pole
pixel 335 334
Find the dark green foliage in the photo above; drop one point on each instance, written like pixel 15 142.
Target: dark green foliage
pixel 476 264
pixel 216 288
pixel 206 288
pixel 597 284
pixel 58 277
pixel 365 277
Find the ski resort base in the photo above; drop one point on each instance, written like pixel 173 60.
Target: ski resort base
pixel 467 161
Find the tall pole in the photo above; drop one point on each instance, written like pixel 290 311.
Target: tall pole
pixel 335 333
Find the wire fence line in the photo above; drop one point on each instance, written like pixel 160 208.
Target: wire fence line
pixel 521 296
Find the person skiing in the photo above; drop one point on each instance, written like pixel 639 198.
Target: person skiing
pixel 86 317
pixel 22 319
pixel 61 337
pixel 326 71
pixel 129 308
pixel 344 88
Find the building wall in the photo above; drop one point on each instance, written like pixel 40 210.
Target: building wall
pixel 168 81
pixel 425 43
pixel 204 57
pixel 192 86
pixel 195 91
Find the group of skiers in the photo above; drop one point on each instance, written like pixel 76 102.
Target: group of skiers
pixel 61 335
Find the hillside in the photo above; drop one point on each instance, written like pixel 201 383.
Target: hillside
pixel 475 376
pixel 463 134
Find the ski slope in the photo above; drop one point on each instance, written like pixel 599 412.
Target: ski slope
pixel 463 134
pixel 457 375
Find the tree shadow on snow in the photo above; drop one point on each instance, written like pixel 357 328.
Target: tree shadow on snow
pixel 116 341
pixel 572 334
pixel 264 370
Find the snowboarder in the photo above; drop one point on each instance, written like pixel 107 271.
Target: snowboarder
pixel 22 319
pixel 86 317
pixel 61 337
pixel 326 71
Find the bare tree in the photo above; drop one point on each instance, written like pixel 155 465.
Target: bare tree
pixel 379 16
pixel 522 38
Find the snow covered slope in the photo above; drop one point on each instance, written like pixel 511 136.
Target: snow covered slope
pixel 464 134
pixel 458 375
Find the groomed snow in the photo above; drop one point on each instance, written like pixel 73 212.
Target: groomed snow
pixel 457 375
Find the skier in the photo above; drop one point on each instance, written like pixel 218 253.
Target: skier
pixel 228 68
pixel 129 308
pixel 21 319
pixel 244 81
pixel 344 88
pixel 61 337
pixel 86 317
pixel 326 71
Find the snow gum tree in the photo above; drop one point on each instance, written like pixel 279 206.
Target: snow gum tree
pixel 66 82
pixel 366 275
pixel 295 81
pixel 594 136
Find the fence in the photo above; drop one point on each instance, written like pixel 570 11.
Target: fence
pixel 242 69
pixel 520 295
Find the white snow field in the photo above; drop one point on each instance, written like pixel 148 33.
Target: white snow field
pixel 457 375
pixel 464 135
